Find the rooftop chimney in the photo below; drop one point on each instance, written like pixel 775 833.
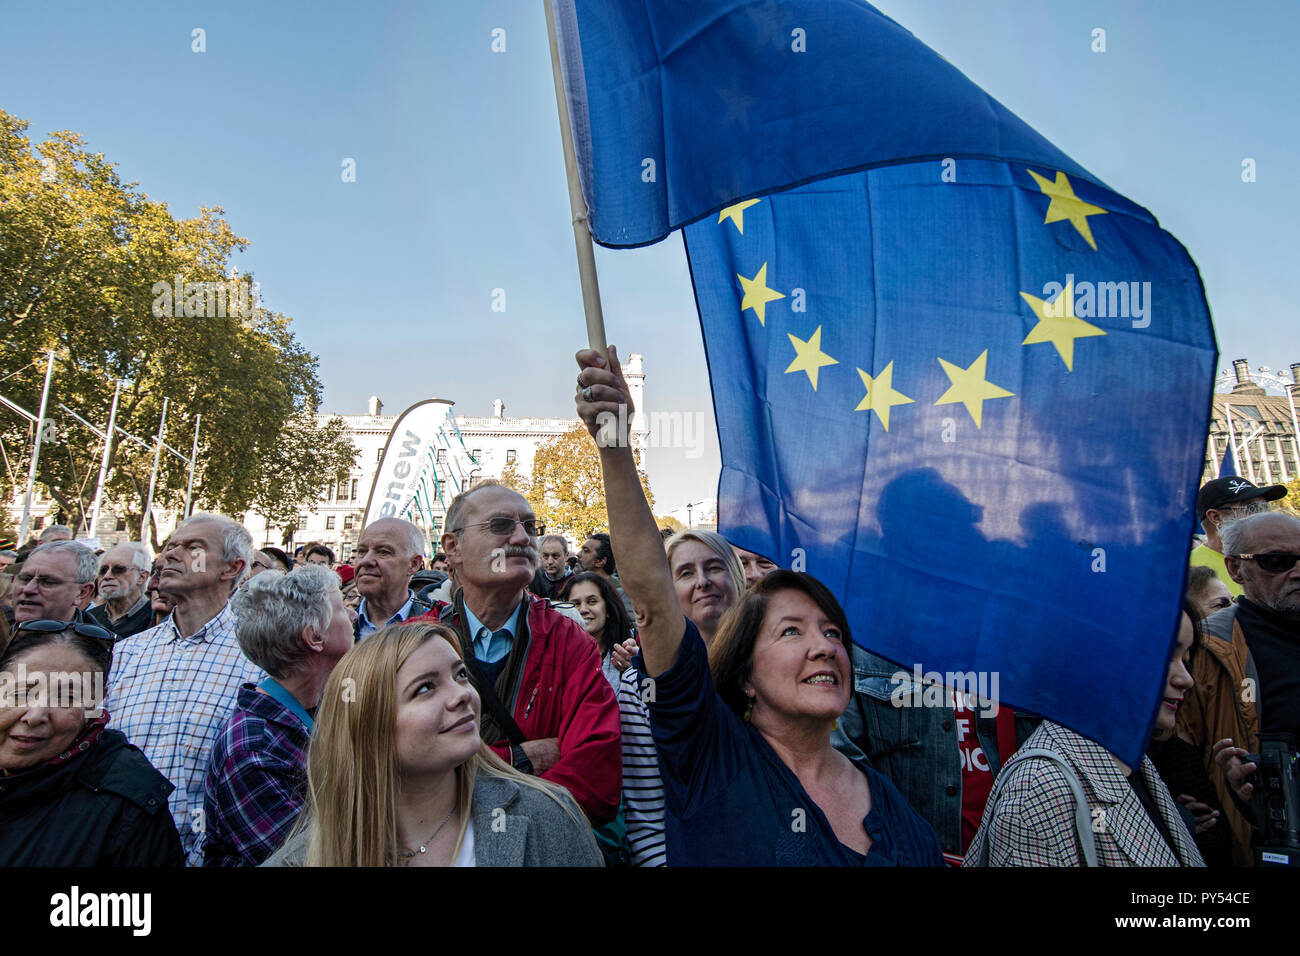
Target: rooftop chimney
pixel 376 406
pixel 1244 384
pixel 1295 372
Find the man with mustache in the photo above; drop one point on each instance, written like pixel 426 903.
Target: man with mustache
pixel 547 707
pixel 388 554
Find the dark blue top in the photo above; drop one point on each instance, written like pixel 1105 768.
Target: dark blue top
pixel 730 801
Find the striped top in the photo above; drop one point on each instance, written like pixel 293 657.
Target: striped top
pixel 169 695
pixel 643 787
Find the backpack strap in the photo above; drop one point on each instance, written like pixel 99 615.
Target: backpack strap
pixel 1082 815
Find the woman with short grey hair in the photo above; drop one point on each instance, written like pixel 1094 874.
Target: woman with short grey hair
pixel 294 626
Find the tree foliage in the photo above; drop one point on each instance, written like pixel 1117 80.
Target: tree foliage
pixel 1292 500
pixel 566 489
pixel 80 258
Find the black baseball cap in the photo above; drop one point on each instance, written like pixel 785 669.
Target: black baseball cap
pixel 1233 491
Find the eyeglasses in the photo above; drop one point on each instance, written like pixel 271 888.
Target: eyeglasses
pixel 43 581
pixel 48 626
pixel 1274 562
pixel 117 569
pixel 503 525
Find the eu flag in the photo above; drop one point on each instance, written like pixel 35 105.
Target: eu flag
pixel 955 377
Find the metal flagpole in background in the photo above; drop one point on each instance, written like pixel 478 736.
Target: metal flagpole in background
pixel 36 449
pixel 103 464
pixel 153 475
pixel 194 456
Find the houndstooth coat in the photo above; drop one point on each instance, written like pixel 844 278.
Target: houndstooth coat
pixel 1032 821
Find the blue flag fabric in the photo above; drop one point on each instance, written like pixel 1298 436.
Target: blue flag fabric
pixel 967 388
pixel 1227 467
pixel 680 107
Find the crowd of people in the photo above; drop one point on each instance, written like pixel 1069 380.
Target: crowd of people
pixel 653 699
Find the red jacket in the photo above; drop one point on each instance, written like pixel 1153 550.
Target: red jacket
pixel 564 694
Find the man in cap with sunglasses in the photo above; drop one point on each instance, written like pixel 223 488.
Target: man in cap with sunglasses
pixel 123 572
pixel 1247 669
pixel 1223 500
pixel 547 708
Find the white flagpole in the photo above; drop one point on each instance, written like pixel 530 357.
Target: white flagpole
pixel 36 449
pixel 103 464
pixel 194 455
pixel 577 205
pixel 153 475
pixel 1232 436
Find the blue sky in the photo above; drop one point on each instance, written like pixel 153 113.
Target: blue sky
pixel 460 184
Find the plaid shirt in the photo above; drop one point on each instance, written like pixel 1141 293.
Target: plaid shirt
pixel 1031 821
pixel 169 695
pixel 256 782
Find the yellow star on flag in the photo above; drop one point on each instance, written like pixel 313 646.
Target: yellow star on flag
pixel 1066 205
pixel 736 213
pixel 1058 324
pixel 757 294
pixel 880 395
pixel 809 356
pixel 970 387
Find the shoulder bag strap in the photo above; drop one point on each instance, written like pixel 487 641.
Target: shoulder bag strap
pixel 1082 815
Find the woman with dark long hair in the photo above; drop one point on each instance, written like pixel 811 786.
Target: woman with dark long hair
pixel 603 617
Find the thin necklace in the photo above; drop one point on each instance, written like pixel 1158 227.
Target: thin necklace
pixel 407 855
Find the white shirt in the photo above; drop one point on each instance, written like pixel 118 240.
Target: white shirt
pixel 466 855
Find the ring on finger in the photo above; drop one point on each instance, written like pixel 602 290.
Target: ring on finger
pixel 586 393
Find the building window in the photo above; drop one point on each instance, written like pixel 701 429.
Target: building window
pixel 354 490
pixel 476 454
pixel 329 522
pixel 347 522
pixel 38 522
pixel 302 522
pixel 442 456
pixel 379 454
pixel 510 456
pixel 121 524
pixel 342 491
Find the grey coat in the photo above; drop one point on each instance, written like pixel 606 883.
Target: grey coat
pixel 513 826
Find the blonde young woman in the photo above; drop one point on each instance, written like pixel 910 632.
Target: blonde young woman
pixel 397 774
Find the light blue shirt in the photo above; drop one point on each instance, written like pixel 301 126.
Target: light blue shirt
pixel 491 646
pixel 366 628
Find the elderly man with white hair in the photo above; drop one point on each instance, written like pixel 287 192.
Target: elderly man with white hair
pixel 1247 664
pixel 123 572
pixel 295 627
pixel 387 555
pixel 54 583
pixel 172 686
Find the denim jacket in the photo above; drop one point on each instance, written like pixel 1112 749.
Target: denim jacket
pixel 914 746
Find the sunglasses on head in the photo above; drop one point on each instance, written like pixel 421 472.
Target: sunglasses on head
pixel 48 626
pixel 1273 562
